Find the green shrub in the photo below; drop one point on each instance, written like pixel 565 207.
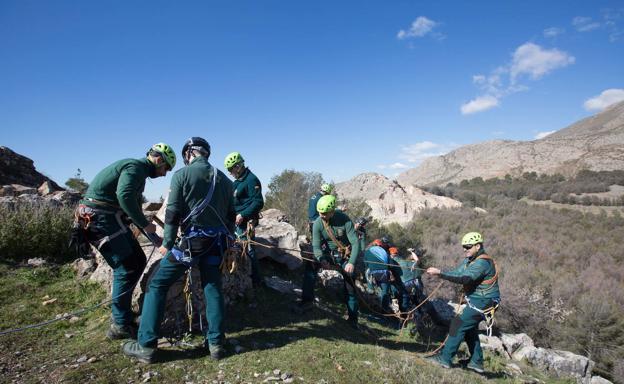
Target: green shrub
pixel 35 230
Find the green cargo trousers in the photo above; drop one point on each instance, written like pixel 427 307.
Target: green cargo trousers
pixel 168 272
pixel 124 255
pixel 309 281
pixel 465 326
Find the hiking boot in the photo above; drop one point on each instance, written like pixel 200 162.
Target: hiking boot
pixel 118 332
pixel 354 325
pixel 302 307
pixel 439 361
pixel 475 367
pixel 142 354
pixel 217 351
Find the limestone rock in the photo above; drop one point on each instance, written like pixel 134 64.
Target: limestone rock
pixel 515 342
pixel 281 240
pixel 152 206
pixel 18 169
pixel 84 268
pixel 389 200
pixel 494 344
pixel 560 363
pixel 594 143
pixel 46 188
pixel 36 262
pixel 599 380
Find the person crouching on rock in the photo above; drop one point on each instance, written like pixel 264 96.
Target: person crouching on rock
pixel 479 275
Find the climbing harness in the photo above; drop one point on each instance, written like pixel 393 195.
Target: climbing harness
pixel 488 313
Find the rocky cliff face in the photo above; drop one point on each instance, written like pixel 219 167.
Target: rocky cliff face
pixel 595 143
pixel 18 169
pixel 389 200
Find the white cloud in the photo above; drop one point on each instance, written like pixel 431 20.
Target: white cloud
pixel 480 104
pixel 606 98
pixel 415 153
pixel 585 24
pixel 541 135
pixel 396 165
pixel 553 32
pixel 533 60
pixel 419 28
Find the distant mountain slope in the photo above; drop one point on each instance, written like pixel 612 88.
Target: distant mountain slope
pixel 390 201
pixel 595 143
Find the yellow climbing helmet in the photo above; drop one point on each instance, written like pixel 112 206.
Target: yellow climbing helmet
pixel 326 188
pixel 326 204
pixel 232 159
pixel 472 238
pixel 166 152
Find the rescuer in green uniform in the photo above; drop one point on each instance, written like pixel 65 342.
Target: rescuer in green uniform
pixel 248 203
pixel 204 239
pixel 343 247
pixel 479 276
pixel 326 189
pixel 111 202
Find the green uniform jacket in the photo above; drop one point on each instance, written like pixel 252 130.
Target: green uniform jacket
pixel 343 229
pixel 121 184
pixel 407 274
pixel 189 187
pixel 248 201
pixel 312 212
pixel 471 272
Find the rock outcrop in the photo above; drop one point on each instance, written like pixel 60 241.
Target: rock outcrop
pixel 594 143
pixel 18 169
pixel 15 194
pixel 389 200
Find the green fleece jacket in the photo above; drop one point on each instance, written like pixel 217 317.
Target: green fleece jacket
pixel 121 184
pixel 312 213
pixel 248 201
pixel 189 187
pixel 343 230
pixel 471 272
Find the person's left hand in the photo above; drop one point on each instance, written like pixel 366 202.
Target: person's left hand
pixel 239 219
pixel 349 268
pixel 433 271
pixel 163 251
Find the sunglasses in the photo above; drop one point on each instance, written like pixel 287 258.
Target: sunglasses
pixel 467 247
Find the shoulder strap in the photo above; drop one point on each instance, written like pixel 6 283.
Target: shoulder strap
pixel 341 248
pixel 495 277
pixel 202 206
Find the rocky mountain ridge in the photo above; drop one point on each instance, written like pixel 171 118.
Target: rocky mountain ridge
pixel 595 143
pixel 20 170
pixel 389 200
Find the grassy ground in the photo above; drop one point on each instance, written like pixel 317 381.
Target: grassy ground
pixel 318 347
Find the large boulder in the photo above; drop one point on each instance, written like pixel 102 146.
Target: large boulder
pixel 279 239
pixel 560 363
pixel 516 345
pixel 494 344
pixel 18 169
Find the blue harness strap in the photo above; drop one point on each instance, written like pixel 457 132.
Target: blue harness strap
pixel 184 254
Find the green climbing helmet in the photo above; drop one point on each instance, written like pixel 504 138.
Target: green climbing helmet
pixel 326 204
pixel 326 188
pixel 232 159
pixel 472 238
pixel 166 152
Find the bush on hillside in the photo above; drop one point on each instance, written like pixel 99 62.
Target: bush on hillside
pixel 35 230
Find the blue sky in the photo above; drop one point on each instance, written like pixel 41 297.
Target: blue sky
pixel 337 87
